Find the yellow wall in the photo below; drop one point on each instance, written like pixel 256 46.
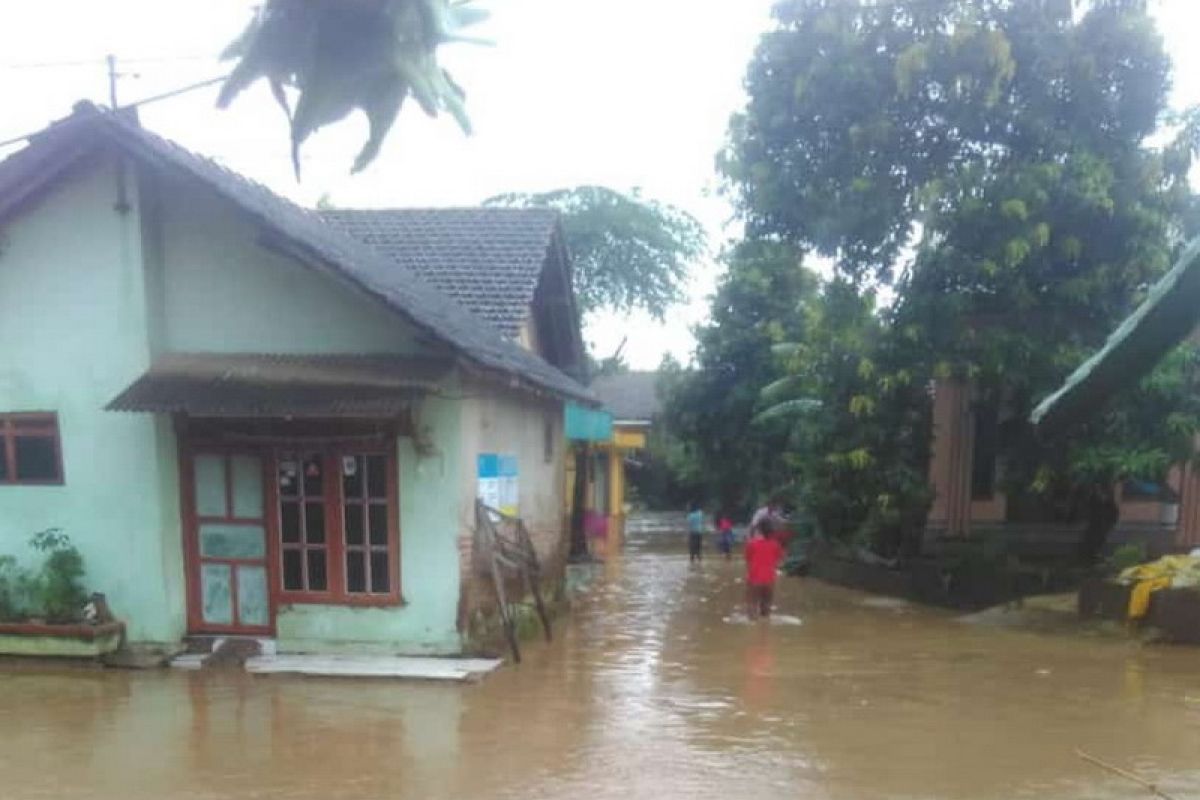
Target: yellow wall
pixel 624 440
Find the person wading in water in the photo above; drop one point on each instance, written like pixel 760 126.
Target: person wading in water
pixel 763 556
pixel 695 524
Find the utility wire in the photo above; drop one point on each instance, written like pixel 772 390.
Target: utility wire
pixel 91 62
pixel 136 104
pixel 154 98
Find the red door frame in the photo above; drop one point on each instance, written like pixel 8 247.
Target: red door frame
pixel 268 452
pixel 188 450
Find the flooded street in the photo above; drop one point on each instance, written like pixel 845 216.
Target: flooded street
pixel 650 691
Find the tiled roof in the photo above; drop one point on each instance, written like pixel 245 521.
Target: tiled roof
pixel 630 396
pixel 488 259
pixel 300 231
pixel 253 385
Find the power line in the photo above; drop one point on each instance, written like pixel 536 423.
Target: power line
pixel 99 60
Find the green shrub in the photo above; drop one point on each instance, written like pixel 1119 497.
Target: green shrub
pixel 13 585
pixel 58 586
pixel 54 591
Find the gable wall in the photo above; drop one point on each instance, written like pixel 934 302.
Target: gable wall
pixel 73 323
pixel 222 291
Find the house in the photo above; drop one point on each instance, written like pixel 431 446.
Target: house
pixel 253 418
pixel 968 502
pixel 963 468
pixel 632 400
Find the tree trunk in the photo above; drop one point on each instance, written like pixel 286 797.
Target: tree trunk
pixel 579 548
pixel 1101 513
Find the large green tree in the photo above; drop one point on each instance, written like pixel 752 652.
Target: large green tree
pixel 991 158
pixel 628 252
pixel 716 446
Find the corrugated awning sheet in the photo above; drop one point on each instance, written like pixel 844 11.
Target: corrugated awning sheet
pixel 257 385
pixel 1169 313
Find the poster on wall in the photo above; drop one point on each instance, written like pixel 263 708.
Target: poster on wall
pixel 509 494
pixel 489 479
pixel 498 477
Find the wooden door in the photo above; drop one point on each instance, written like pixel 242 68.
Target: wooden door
pixel 227 546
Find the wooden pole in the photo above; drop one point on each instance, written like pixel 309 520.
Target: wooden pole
pixel 1147 785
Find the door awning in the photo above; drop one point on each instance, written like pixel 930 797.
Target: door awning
pixel 269 385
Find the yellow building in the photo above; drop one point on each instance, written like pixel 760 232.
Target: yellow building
pixel 631 401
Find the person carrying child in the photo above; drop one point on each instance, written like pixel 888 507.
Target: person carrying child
pixel 763 556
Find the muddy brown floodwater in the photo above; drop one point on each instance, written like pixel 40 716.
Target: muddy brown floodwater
pixel 648 692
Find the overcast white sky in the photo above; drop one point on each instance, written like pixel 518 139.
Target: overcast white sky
pixel 623 93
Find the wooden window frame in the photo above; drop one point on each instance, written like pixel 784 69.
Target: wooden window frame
pixel 336 593
pixel 302 499
pixel 41 424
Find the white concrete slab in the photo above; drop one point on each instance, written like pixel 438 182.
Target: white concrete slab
pixel 401 667
pixel 189 661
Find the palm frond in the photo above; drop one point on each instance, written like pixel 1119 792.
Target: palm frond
pixel 340 56
pixel 788 409
pixel 781 389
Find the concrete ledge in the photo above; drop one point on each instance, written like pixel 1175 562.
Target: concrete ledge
pixel 60 641
pixel 1173 612
pixel 426 669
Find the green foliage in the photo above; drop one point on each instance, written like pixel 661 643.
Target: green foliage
pixel 370 55
pixel 762 301
pixel 628 252
pixel 12 590
pixel 997 153
pixel 54 591
pixel 858 452
pixel 58 587
pixel 1126 556
pixel 865 119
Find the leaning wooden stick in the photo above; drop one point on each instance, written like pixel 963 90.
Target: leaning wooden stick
pixel 1151 787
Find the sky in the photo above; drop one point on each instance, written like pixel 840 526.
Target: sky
pixel 621 93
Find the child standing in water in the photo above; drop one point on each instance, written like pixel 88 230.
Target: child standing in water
pixel 763 556
pixel 695 523
pixel 725 536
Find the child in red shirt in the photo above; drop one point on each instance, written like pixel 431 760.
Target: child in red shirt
pixel 763 555
pixel 725 536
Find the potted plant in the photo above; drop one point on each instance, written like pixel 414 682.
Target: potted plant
pixel 46 611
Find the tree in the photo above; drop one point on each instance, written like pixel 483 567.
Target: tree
pixel 709 411
pixel 628 252
pixel 855 440
pixel 996 151
pixel 339 55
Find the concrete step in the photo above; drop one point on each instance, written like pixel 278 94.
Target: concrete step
pixel 203 652
pixel 364 666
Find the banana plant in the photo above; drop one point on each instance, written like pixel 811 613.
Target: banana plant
pixel 780 397
pixel 342 55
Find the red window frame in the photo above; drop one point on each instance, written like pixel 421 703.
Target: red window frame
pixel 336 547
pixel 37 424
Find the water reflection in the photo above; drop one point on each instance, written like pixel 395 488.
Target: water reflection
pixel 653 689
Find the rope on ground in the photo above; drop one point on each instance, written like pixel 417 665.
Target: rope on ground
pixel 1150 787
